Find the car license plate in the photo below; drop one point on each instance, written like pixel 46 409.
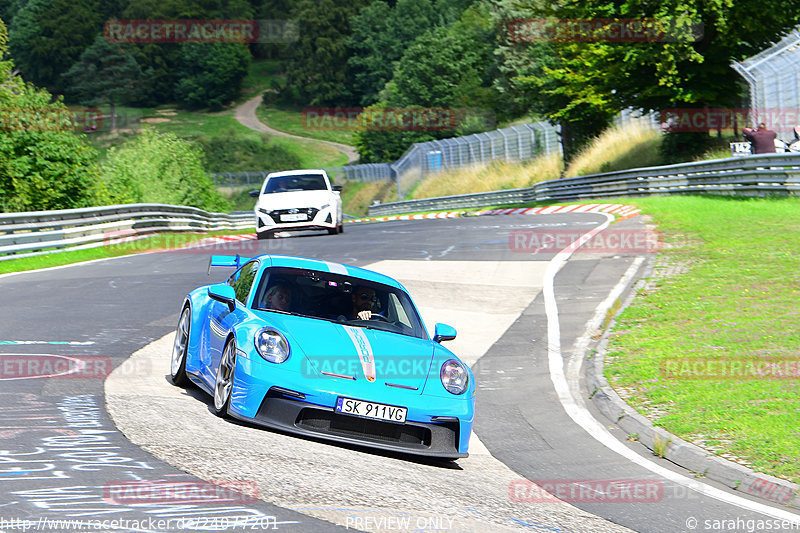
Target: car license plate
pixel 378 411
pixel 294 217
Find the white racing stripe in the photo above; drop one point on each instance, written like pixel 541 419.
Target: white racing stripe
pixel 581 416
pixel 364 350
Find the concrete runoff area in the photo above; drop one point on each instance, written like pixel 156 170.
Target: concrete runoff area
pixel 348 485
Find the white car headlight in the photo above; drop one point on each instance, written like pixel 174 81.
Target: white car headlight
pixel 454 377
pixel 272 346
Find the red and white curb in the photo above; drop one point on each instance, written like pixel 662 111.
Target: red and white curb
pixel 620 210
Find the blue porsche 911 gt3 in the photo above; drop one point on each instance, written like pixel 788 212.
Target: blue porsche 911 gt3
pixel 325 350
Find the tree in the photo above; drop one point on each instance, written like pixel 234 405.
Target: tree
pixel 43 164
pixel 211 74
pixel 380 36
pixel 105 73
pixel 592 78
pixel 449 68
pixel 316 70
pixel 48 36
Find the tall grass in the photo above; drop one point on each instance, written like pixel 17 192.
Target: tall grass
pixel 495 176
pixel 358 196
pixel 618 148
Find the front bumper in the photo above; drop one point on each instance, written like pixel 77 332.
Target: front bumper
pixel 317 219
pixel 436 439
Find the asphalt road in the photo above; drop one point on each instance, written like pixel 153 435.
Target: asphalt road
pixel 63 458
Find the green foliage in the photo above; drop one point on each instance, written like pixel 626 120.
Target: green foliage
pixel 447 67
pixel 317 67
pixel 48 36
pixel 380 36
pixel 105 73
pixel 679 147
pixel 231 153
pixel 211 74
pixel 159 168
pixel 587 81
pixel 43 164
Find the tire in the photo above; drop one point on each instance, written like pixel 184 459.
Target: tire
pixel 180 348
pixel 341 228
pixel 223 384
pixel 266 235
pixel 333 231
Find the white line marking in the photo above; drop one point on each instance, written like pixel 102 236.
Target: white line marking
pixel 581 416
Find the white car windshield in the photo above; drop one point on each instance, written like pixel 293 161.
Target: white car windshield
pixel 296 182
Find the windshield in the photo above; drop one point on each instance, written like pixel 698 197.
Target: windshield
pixel 338 298
pixel 296 182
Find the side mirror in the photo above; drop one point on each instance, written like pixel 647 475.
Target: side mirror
pixel 337 188
pixel 223 293
pixel 255 194
pixel 443 332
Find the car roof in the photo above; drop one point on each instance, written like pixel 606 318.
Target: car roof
pixel 327 266
pixel 297 172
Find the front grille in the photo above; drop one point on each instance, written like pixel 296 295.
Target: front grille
pixel 276 214
pixel 351 426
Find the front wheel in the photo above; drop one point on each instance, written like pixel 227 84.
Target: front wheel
pixel 179 349
pixel 333 231
pixel 223 385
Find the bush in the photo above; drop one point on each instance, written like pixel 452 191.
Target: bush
pixel 231 153
pixel 43 164
pixel 160 168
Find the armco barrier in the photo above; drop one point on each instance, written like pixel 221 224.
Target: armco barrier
pixel 40 232
pixel 759 175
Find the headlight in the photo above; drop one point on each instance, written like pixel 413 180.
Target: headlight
pixel 326 206
pixel 454 377
pixel 272 346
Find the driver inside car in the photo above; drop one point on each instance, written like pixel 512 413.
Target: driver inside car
pixel 364 300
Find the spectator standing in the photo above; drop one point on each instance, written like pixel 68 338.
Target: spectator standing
pixel 762 139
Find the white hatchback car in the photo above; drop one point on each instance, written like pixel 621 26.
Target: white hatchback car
pixel 298 200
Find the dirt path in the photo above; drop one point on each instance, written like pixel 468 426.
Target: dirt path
pixel 246 115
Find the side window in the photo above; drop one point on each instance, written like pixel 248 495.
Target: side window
pixel 242 280
pixel 397 313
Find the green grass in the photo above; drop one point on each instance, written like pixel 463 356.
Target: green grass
pixel 158 241
pixel 263 75
pixel 311 153
pixel 291 121
pixel 737 300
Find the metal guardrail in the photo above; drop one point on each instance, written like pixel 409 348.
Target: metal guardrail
pixel 759 175
pixel 44 232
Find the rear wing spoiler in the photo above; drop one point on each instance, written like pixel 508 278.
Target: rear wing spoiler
pixel 226 261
